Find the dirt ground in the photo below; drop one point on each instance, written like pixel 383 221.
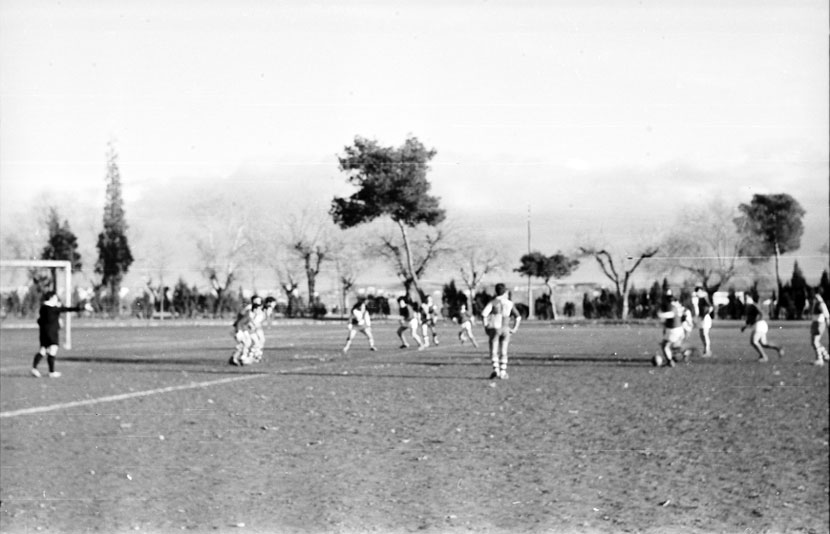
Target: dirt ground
pixel 149 430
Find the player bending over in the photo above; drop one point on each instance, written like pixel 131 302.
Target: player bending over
pixel 243 332
pixel 674 332
pixel 360 321
pixel 257 331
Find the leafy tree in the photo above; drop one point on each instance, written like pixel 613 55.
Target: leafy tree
pixel 62 245
pixel 620 278
pixel 535 264
pixel 771 225
pixel 391 183
pixel 114 256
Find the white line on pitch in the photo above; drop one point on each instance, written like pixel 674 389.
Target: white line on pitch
pixel 124 396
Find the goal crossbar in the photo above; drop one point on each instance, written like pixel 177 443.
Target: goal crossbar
pixel 52 264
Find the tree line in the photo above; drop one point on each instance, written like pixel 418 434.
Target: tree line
pixel 708 246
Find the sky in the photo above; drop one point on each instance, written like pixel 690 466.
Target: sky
pixel 598 119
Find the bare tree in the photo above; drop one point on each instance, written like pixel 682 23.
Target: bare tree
pixel 311 237
pixel 222 242
pixel 705 244
pixel 619 270
pixel 411 258
pixel 474 262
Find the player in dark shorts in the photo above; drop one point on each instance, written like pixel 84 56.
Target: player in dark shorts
pixel 49 326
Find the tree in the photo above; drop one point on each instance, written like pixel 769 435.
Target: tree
pixel 223 243
pixel 310 238
pixel 771 225
pixel 474 262
pixel 410 256
pixel 621 279
pixel 799 292
pixel 62 245
pixel 114 256
pixel 536 264
pixel 704 243
pixel 391 183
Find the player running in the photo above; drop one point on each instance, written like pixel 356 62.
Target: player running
pixel 496 316
pixel 758 340
pixel 466 321
pixel 408 322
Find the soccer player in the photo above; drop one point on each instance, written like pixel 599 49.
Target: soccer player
pixel 243 331
pixel 360 321
pixel 703 311
pixel 758 339
pixel 496 316
pixel 257 332
pixel 429 316
pixel 408 321
pixel 820 322
pixel 49 326
pixel 465 320
pixel 674 333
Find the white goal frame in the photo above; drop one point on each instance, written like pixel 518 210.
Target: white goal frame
pixel 52 264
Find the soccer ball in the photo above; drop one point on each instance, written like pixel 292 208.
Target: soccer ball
pixel 658 360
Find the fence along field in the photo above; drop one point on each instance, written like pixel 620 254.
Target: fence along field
pixel 163 437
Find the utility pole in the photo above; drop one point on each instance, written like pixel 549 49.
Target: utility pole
pixel 529 278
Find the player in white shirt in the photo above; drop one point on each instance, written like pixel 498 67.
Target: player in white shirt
pixel 703 311
pixel 820 322
pixel 359 321
pixel 429 317
pixel 497 315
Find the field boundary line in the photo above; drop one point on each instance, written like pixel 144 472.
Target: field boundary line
pixel 157 391
pixel 125 396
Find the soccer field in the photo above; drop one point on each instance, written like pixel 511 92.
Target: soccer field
pixel 150 430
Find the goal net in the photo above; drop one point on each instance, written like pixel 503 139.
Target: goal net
pixel 15 277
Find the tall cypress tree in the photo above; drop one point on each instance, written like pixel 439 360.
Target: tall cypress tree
pixel 114 256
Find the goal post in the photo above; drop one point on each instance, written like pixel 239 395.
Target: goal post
pixel 67 273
